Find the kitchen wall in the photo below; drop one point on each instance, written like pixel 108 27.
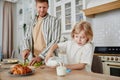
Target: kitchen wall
pixel 24 15
pixel 106 26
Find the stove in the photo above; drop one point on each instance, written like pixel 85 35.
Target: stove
pixel 107 50
pixel 110 58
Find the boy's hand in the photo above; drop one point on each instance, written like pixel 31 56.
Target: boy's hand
pixel 48 56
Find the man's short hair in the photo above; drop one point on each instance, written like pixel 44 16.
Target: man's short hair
pixel 42 1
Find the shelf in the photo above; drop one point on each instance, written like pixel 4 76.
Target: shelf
pixel 91 12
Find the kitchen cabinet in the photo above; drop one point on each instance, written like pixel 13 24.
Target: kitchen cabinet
pixel 69 12
pixel 91 12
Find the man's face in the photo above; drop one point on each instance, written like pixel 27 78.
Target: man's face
pixel 42 8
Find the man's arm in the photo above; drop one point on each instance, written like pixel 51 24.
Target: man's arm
pixel 55 37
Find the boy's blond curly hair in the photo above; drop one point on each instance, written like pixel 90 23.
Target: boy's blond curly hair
pixel 84 25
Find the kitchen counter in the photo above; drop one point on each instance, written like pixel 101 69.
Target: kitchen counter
pixel 50 74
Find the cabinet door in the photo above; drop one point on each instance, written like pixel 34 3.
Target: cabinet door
pixel 68 16
pixel 78 12
pixel 58 11
pixel 69 11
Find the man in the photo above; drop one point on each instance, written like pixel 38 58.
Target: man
pixel 45 31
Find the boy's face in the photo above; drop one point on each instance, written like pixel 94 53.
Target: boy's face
pixel 42 8
pixel 80 38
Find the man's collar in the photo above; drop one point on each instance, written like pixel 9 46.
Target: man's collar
pixel 43 17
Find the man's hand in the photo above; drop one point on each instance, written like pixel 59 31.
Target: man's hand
pixel 25 53
pixel 34 60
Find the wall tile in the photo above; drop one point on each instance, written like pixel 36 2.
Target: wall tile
pixel 106 27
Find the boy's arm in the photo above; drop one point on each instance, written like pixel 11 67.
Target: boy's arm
pixel 50 52
pixel 79 66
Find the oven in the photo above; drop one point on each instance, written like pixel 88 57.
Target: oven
pixel 110 66
pixel 110 58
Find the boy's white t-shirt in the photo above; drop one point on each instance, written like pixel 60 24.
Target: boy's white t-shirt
pixel 76 54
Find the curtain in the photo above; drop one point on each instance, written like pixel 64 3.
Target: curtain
pixel 7 32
